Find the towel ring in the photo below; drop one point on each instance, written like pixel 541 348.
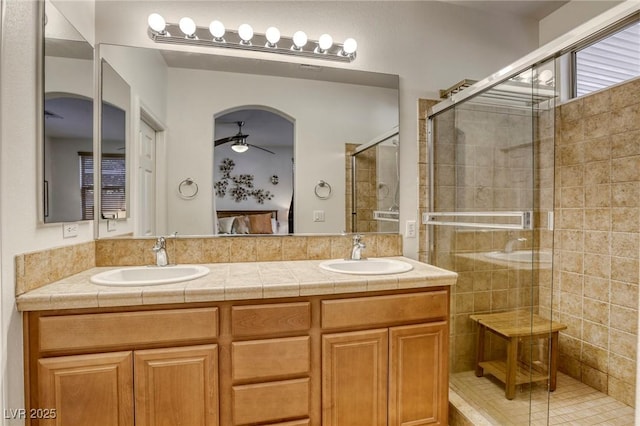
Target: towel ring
pixel 190 193
pixel 322 186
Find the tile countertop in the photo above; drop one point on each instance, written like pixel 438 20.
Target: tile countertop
pixel 229 281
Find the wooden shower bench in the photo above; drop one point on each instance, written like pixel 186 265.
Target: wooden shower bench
pixel 515 326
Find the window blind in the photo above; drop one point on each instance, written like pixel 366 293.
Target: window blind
pixel 113 197
pixel 609 61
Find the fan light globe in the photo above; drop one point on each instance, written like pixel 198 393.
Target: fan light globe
pixel 216 28
pixel 239 147
pixel 349 46
pixel 187 26
pixel 299 39
pixel 273 35
pixel 245 32
pixel 156 22
pixel 325 42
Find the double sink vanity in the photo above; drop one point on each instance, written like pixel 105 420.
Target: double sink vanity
pixel 305 342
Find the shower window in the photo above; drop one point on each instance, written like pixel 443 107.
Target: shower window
pixel 608 61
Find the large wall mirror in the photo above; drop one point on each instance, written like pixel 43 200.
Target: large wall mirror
pixel 68 121
pixel 115 114
pixel 190 113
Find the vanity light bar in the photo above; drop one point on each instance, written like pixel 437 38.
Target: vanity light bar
pixel 186 32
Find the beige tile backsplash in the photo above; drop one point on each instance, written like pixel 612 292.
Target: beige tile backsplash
pixel 35 269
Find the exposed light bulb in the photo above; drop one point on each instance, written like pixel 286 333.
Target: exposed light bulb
pixel 299 39
pixel 273 36
pixel 545 76
pixel 187 26
pixel 245 32
pixel 157 22
pixel 349 46
pixel 217 30
pixel 325 42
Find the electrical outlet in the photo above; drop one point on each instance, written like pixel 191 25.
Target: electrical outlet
pixel 69 230
pixel 410 230
pixel 318 215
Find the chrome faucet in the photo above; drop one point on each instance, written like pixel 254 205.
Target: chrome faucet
pixel 356 250
pixel 508 248
pixel 160 249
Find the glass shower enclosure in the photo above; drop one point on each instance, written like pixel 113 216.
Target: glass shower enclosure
pixel 491 173
pixel 373 185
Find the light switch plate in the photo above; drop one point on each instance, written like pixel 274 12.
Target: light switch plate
pixel 318 215
pixel 111 225
pixel 410 230
pixel 69 230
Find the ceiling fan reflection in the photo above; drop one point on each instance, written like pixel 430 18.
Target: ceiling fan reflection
pixel 239 141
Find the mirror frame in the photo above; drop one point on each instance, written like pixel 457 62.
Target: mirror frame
pixel 40 192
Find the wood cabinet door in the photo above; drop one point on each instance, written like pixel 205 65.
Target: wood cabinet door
pixel 177 386
pixel 354 378
pixel 87 389
pixel 419 371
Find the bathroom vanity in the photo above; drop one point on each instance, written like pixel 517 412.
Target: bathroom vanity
pixel 311 348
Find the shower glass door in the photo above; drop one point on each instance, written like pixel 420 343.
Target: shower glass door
pixel 491 194
pixel 374 182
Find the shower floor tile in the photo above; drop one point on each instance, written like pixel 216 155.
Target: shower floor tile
pixel 573 403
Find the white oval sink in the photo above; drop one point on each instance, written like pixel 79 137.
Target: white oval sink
pixel 371 266
pixel 522 256
pixel 149 275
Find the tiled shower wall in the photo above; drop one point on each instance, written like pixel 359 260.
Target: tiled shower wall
pixel 597 238
pixel 365 189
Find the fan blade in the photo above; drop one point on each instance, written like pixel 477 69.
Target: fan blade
pixel 264 149
pixel 224 140
pixel 236 137
pixel 49 114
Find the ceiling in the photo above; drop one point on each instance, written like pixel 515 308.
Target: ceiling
pixel 264 128
pixel 526 9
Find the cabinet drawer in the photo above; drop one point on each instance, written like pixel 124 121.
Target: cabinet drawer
pixel 104 331
pixel 269 402
pixel 263 359
pixel 381 310
pixel 256 320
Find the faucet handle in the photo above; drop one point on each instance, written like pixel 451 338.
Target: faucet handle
pixel 160 243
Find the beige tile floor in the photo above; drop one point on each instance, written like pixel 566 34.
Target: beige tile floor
pixel 573 403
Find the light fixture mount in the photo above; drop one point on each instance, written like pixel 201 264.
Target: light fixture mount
pixel 258 43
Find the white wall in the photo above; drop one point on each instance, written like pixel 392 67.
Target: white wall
pixel 65 203
pixel 570 16
pixel 80 14
pixel 327 115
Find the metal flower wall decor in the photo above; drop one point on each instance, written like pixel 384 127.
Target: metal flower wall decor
pixel 240 187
